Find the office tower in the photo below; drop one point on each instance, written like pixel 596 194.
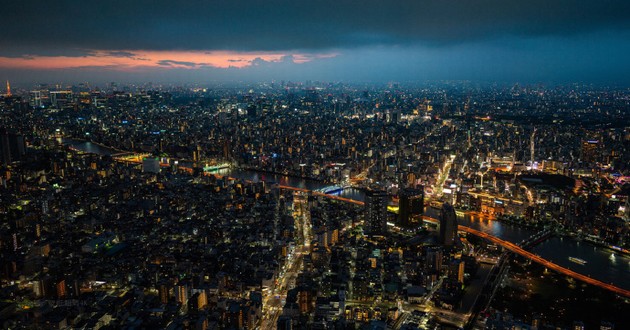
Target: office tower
pixel 456 270
pixel 36 99
pixel 411 204
pixel 151 165
pixel 433 260
pixel 448 225
pixel 376 212
pixel 12 147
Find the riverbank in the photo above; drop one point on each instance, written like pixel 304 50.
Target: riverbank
pixel 94 143
pixel 244 168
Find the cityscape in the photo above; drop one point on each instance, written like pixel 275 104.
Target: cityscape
pixel 298 180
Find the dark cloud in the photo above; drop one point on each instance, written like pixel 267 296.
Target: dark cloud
pixel 277 25
pixel 16 49
pixel 180 63
pixel 120 53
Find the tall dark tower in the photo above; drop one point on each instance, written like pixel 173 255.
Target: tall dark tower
pixel 376 212
pixel 448 225
pixel 411 204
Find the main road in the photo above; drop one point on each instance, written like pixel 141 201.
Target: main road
pixel 508 245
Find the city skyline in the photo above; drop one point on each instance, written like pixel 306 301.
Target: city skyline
pixel 197 42
pixel 403 165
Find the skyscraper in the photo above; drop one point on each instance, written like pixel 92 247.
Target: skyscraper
pixel 411 204
pixel 12 147
pixel 376 212
pixel 448 225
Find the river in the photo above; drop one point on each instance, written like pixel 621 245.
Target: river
pixel 599 263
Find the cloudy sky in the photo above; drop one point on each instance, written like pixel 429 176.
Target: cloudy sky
pixel 234 40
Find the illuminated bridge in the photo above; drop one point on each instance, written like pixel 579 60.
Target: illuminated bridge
pixel 516 249
pixel 508 245
pixel 317 193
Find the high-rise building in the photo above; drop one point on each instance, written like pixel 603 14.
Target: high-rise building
pixel 151 165
pixel 376 212
pixel 433 260
pixel 456 270
pixel 411 204
pixel 448 225
pixel 35 99
pixel 12 147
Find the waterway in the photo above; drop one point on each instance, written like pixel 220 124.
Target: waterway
pixel 88 146
pixel 599 263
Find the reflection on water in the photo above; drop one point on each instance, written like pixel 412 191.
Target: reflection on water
pixel 284 180
pixel 495 228
pixel 600 263
pixel 87 146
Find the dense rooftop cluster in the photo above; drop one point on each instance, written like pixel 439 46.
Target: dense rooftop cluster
pixel 105 240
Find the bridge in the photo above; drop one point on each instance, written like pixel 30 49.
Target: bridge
pixel 334 188
pixel 317 193
pixel 518 250
pixel 508 245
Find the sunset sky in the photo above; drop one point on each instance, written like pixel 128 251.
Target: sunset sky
pixel 414 40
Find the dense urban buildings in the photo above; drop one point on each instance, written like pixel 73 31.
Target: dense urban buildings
pixel 314 205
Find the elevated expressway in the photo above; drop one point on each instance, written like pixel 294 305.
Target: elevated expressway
pixel 508 245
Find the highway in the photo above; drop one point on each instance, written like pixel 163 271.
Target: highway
pixel 508 245
pixel 516 249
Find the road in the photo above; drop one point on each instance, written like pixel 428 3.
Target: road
pixel 277 293
pixel 509 245
pixel 518 250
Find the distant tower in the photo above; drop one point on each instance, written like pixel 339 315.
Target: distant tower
pixel 8 88
pixel 531 146
pixel 448 225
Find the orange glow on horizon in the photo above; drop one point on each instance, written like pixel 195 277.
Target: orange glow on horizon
pixel 155 59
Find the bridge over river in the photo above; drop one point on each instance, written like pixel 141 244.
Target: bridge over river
pixel 612 269
pixel 506 244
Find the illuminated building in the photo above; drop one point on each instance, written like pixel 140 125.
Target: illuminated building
pixel 376 212
pixel 456 270
pixel 590 151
